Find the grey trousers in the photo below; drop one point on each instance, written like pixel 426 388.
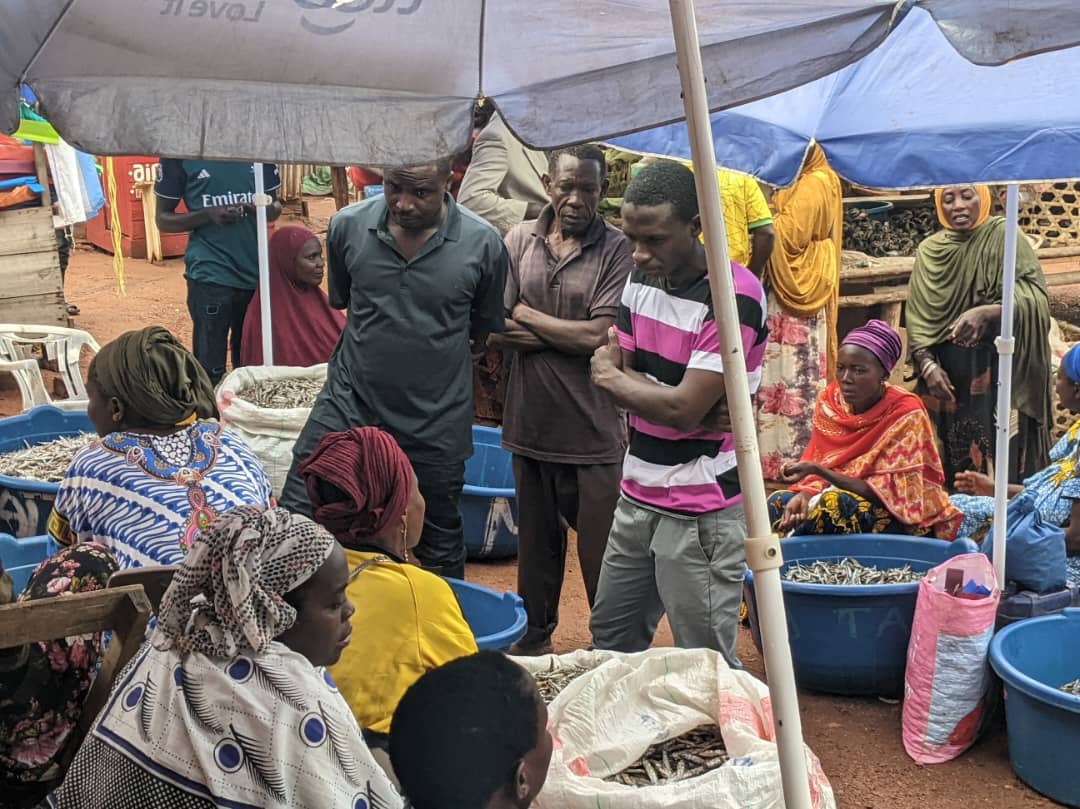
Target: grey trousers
pixel 690 568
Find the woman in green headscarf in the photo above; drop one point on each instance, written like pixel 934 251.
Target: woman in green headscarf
pixel 164 467
pixel 953 315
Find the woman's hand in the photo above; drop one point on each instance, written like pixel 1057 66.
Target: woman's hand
pixel 794 472
pixel 972 327
pixel 974 483
pixel 795 512
pixel 939 385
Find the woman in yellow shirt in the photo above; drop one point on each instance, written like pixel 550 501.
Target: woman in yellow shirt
pixel 407 620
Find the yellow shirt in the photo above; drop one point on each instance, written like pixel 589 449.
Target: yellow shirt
pixel 407 621
pixel 745 209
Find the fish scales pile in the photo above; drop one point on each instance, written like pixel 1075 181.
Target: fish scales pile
pixel 695 753
pixel 549 683
pixel 282 394
pixel 849 571
pixel 1072 688
pixel 45 463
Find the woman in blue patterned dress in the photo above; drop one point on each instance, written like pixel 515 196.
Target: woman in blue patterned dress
pixel 164 468
pixel 1055 490
pixel 229 705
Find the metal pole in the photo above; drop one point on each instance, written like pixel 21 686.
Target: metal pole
pixel 261 202
pixel 1005 346
pixel 762 545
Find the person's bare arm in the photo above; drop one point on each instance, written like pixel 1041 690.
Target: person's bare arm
pixel 516 337
pixel 761 246
pixel 169 221
pixel 681 407
pixel 581 337
pixel 795 472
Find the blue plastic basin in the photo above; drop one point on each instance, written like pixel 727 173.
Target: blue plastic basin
pixel 873 208
pixel 496 619
pixel 853 639
pixel 488 504
pixel 1033 658
pixel 22 556
pixel 25 504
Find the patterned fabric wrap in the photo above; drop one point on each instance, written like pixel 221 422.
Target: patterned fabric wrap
pixel 43 685
pixel 890 447
pixel 243 567
pixel 1053 489
pixel 147 497
pixel 836 511
pixel 792 377
pixel 187 731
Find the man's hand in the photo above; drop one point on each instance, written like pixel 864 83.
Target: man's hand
pixel 521 313
pixel 974 483
pixel 224 214
pixel 718 420
pixel 972 327
pixel 794 472
pixel 607 360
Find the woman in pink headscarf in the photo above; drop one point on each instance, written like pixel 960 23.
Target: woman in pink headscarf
pixel 306 328
pixel 871 465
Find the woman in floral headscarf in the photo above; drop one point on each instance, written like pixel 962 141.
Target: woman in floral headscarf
pixel 229 705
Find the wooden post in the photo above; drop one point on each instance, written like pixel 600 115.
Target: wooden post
pixel 41 167
pixel 341 186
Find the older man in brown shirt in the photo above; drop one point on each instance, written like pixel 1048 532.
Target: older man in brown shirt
pixel 567 273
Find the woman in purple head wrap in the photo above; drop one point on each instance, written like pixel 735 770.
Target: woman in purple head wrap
pixel 872 465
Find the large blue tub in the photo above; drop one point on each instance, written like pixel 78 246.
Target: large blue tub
pixel 847 639
pixel 21 556
pixel 488 504
pixel 25 504
pixel 1033 658
pixel 496 619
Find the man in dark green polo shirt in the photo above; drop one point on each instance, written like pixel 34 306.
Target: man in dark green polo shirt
pixel 422 279
pixel 222 258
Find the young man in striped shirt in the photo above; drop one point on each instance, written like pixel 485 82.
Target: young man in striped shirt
pixel 676 545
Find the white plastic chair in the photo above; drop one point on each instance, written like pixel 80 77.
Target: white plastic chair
pixel 62 345
pixel 28 378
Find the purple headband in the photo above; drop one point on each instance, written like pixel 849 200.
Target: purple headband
pixel 879 339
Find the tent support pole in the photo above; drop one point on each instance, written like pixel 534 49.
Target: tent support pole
pixel 762 546
pixel 264 266
pixel 1004 345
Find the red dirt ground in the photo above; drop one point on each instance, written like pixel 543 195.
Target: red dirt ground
pixel 857 740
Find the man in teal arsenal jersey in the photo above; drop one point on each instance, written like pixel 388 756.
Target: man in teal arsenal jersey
pixel 222 259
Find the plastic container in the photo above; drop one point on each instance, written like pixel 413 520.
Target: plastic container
pixel 1024 604
pixel 497 619
pixel 25 504
pixel 22 556
pixel 853 640
pixel 1033 658
pixel 873 208
pixel 488 504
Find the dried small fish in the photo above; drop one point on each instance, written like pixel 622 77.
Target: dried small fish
pixel 282 394
pixel 45 463
pixel 849 571
pixel 1072 688
pixel 549 683
pixel 695 753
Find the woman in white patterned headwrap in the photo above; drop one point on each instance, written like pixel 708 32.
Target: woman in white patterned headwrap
pixel 228 705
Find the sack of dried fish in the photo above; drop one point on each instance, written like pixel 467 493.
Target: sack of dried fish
pixel 46 462
pixel 849 571
pixel 269 406
pixel 553 673
pixel 665 728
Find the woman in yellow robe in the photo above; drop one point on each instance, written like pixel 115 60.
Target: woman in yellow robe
pixel 802 281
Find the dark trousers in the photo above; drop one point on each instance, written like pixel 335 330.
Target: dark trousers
pixel 552 497
pixel 217 321
pixel 442 544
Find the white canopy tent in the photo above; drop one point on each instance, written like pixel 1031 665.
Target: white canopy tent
pixel 379 82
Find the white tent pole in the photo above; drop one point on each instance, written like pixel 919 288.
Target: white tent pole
pixel 1005 345
pixel 261 203
pixel 762 546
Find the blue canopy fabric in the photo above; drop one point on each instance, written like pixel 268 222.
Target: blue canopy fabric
pixel 377 82
pixel 911 114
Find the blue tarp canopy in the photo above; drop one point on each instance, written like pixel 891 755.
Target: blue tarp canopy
pixel 913 113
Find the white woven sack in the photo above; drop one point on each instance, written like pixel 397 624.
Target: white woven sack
pixel 270 433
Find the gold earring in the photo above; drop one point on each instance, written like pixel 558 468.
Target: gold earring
pixel 404 542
